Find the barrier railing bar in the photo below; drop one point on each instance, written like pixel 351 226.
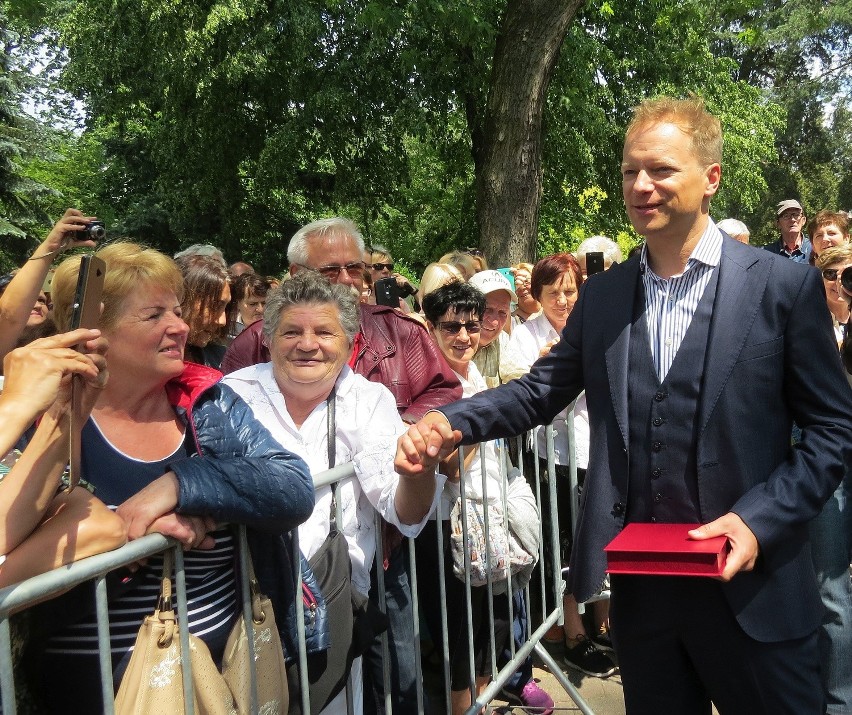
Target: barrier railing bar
pixel 562 679
pixel 488 579
pixel 379 561
pixel 248 613
pixel 504 474
pixel 304 695
pixel 549 435
pixel 183 631
pixel 104 646
pixel 467 585
pixel 442 588
pixel 7 677
pixel 415 607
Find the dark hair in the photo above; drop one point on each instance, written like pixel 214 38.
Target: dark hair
pixel 204 278
pixel 462 297
pixel 249 284
pixel 550 269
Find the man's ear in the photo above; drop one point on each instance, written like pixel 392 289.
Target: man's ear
pixel 714 176
pixel 294 269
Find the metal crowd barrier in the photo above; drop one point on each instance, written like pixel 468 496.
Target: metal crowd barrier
pixel 19 596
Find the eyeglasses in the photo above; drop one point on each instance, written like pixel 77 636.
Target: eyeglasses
pixel 354 270
pixel 830 274
pixel 453 327
pixel 379 266
pixel 793 215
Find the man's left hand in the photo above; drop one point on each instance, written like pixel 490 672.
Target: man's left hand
pixel 744 547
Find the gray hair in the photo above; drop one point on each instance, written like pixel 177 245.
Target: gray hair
pixel 202 249
pixel 601 244
pixel 311 288
pixel 297 251
pixel 733 227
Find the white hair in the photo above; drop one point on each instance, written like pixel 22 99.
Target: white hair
pixel 297 251
pixel 202 249
pixel 733 227
pixel 601 244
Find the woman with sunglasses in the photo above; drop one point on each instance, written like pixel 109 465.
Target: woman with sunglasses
pixel 454 319
pixel 381 266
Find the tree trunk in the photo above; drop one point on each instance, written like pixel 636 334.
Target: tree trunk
pixel 508 163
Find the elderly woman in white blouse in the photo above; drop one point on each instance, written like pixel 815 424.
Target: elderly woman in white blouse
pixel 310 327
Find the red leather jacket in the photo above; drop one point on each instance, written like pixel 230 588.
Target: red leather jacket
pixel 396 351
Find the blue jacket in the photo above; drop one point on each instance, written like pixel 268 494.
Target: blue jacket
pixel 240 474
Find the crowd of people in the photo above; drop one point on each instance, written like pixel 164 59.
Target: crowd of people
pixel 700 378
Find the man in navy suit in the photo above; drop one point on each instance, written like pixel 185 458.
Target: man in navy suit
pixel 696 357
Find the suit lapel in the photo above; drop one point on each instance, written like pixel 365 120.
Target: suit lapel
pixel 617 317
pixel 742 281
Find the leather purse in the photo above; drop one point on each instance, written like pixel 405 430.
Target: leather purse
pixel 153 681
pixel 273 695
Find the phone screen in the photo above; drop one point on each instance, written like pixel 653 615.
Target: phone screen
pixel 594 262
pixel 386 291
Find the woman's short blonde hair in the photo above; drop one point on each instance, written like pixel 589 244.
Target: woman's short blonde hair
pixel 835 254
pixel 130 268
pixel 437 275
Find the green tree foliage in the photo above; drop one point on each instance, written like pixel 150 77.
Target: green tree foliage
pixel 235 121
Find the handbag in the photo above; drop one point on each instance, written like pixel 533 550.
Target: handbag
pixel 353 621
pixel 512 545
pixel 273 696
pixel 153 681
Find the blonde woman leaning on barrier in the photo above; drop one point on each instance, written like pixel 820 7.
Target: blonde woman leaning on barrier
pixel 176 453
pixel 42 529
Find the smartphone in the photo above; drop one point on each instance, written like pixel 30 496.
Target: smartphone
pixel 85 313
pixel 594 262
pixel 387 292
pixel 86 308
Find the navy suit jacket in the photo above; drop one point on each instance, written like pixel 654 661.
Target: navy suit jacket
pixel 771 359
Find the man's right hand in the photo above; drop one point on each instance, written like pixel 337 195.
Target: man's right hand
pixel 424 444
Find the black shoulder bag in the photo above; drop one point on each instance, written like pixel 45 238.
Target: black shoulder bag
pixel 354 622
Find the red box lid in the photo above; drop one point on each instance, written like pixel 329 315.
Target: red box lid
pixel 665 550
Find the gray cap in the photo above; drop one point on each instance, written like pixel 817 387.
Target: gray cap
pixel 787 204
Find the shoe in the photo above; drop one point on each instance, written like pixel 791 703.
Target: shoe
pixel 602 640
pixel 585 657
pixel 532 698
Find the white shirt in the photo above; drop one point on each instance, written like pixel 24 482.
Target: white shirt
pixel 368 426
pixel 516 359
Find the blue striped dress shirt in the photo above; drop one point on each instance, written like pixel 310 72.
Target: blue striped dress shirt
pixel 671 302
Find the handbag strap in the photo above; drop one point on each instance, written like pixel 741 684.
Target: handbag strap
pixel 332 445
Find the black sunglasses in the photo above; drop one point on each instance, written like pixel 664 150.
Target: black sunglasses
pixel 379 266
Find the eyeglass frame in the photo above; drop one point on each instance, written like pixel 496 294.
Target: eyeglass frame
pixel 353 270
pixel 380 266
pixel 837 272
pixel 454 327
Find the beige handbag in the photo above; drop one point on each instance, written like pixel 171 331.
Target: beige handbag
pixel 273 696
pixel 153 681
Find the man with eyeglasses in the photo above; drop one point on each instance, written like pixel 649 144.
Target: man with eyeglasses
pixel 396 351
pixel 793 244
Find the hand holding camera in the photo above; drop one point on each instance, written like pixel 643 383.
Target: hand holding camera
pixel 73 230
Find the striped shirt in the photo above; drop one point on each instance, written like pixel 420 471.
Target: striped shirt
pixel 671 302
pixel 210 576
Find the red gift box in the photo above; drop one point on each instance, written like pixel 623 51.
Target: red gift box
pixel 665 550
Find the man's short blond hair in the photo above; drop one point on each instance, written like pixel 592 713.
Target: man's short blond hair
pixel 688 115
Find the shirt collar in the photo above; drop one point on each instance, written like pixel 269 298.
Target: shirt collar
pixel 708 250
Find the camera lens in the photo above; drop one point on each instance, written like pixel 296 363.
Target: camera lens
pixel 846 279
pixel 96 231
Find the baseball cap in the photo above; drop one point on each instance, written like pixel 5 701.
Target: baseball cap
pixel 489 281
pixel 787 204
